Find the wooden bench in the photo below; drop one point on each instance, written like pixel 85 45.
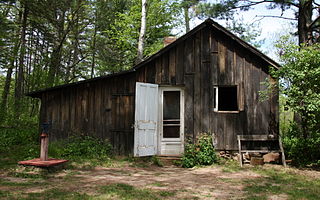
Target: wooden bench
pixel 260 138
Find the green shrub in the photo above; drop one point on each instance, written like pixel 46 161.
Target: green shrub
pixel 201 153
pixel 10 137
pixel 302 151
pixel 81 147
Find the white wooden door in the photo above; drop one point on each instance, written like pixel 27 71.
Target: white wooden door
pixel 146 112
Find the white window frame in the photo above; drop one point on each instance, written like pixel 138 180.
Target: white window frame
pixel 216 97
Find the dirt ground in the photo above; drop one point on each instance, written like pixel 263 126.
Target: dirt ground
pixel 214 182
pixel 204 183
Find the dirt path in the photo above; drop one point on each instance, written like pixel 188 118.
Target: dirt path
pixel 214 182
pixel 203 183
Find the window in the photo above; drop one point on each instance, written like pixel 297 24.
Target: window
pixel 225 98
pixel 171 114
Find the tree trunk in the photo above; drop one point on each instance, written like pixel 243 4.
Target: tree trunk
pixel 93 62
pixel 7 84
pixel 142 31
pixel 19 87
pixel 304 22
pixel 5 94
pixel 55 61
pixel 186 19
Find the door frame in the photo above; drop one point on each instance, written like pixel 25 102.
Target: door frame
pixel 161 89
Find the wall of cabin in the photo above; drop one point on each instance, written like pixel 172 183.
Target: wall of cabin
pixel 207 59
pixel 105 108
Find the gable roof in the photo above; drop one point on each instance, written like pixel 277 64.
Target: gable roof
pixel 208 22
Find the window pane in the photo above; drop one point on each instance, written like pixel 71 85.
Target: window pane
pixel 171 131
pixel 227 98
pixel 171 105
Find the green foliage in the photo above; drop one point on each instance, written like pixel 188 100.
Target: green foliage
pixel 286 115
pixel 81 147
pixel 299 82
pixel 156 161
pixel 124 33
pixel 299 79
pixel 18 144
pixel 302 151
pixel 201 153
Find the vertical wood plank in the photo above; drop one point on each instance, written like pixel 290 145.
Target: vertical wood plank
pixel 158 64
pixel 221 63
pixel 172 66
pixel 188 55
pixel 150 73
pixel 180 64
pixel 165 68
pixel 189 108
pixel 205 83
pixel 197 86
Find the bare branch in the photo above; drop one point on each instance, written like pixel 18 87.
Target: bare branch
pixel 316 3
pixel 272 16
pixel 312 25
pixel 253 3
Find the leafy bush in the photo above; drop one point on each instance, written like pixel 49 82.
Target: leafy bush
pixel 201 153
pixel 302 151
pixel 17 144
pixel 14 136
pixel 81 147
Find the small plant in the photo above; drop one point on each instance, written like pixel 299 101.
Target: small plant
pixel 201 153
pixel 156 161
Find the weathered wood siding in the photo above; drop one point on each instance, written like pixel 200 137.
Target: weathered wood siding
pixel 105 108
pixel 206 59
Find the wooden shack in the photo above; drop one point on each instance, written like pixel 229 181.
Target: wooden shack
pixel 206 81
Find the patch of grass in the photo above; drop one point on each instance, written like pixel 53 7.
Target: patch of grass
pixel 56 193
pixel 5 194
pixel 29 172
pixel 128 192
pixel 167 193
pixel 230 166
pixel 20 184
pixel 277 182
pixel 158 184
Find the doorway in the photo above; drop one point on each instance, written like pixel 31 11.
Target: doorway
pixel 171 121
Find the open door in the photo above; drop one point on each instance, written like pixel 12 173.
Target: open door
pixel 146 112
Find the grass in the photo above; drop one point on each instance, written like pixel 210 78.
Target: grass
pixel 128 192
pixel 281 182
pixel 230 166
pixel 55 193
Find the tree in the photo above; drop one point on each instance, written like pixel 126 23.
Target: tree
pixel 124 33
pixel 299 82
pixel 142 30
pixel 221 10
pixel 248 32
pixel 299 79
pixel 307 15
